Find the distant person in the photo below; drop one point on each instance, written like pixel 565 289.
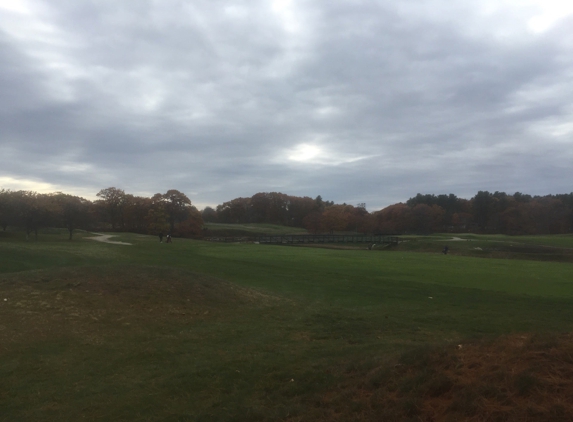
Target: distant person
pixel 161 237
pixel 168 238
pixel 446 249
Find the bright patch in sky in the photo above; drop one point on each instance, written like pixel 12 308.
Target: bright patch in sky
pixel 307 153
pixel 16 184
pixel 551 12
pixel 284 9
pixel 14 6
pixel 304 153
pixel 25 184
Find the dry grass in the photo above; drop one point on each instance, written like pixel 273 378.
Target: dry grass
pixel 521 377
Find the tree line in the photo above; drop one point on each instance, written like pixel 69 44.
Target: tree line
pixel 172 212
pixel 486 212
pixel 115 210
pixel 496 212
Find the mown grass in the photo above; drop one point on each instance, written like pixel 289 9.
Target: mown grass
pixel 558 240
pixel 228 332
pixel 252 229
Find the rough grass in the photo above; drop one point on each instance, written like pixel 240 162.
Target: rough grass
pixel 558 248
pixel 521 377
pixel 123 343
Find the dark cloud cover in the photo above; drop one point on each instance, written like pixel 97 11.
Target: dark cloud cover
pixel 358 101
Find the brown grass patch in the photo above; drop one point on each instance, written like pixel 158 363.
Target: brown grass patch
pixel 521 377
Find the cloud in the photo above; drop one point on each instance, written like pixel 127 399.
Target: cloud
pixel 358 101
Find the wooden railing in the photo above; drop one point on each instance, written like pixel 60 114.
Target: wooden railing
pixel 310 238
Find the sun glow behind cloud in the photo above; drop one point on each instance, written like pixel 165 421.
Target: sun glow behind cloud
pixel 312 154
pixel 17 6
pixel 304 153
pixel 552 11
pixel 285 10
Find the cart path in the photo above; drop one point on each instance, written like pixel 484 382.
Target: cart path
pixel 105 239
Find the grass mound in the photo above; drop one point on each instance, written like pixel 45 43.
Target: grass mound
pixel 54 300
pixel 514 378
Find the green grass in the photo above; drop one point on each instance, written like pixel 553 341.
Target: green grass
pixel 207 331
pixel 558 240
pixel 253 229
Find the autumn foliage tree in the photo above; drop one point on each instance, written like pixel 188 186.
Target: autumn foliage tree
pixel 6 208
pixel 395 218
pixel 33 211
pixel 173 212
pixel 111 206
pixel 134 213
pixel 176 204
pixel 335 218
pixel 237 210
pixel 268 207
pixel 156 220
pixel 72 212
pixel 313 222
pixel 192 225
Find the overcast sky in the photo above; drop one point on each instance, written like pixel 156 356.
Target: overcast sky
pixel 356 101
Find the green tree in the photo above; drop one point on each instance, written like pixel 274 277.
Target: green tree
pixel 482 208
pixel 209 215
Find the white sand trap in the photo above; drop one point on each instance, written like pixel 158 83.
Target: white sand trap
pixel 453 239
pixel 105 239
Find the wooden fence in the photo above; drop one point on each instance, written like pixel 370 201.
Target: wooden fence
pixel 310 238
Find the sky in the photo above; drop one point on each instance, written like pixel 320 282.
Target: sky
pixel 357 101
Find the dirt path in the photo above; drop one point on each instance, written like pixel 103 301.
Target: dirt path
pixel 105 239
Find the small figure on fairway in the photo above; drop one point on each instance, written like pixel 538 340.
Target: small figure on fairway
pixel 168 239
pixel 161 237
pixel 446 249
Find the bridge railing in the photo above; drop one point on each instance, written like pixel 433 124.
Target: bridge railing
pixel 308 238
pixel 327 238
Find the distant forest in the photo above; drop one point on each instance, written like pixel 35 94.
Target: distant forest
pixel 484 213
pixel 172 212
